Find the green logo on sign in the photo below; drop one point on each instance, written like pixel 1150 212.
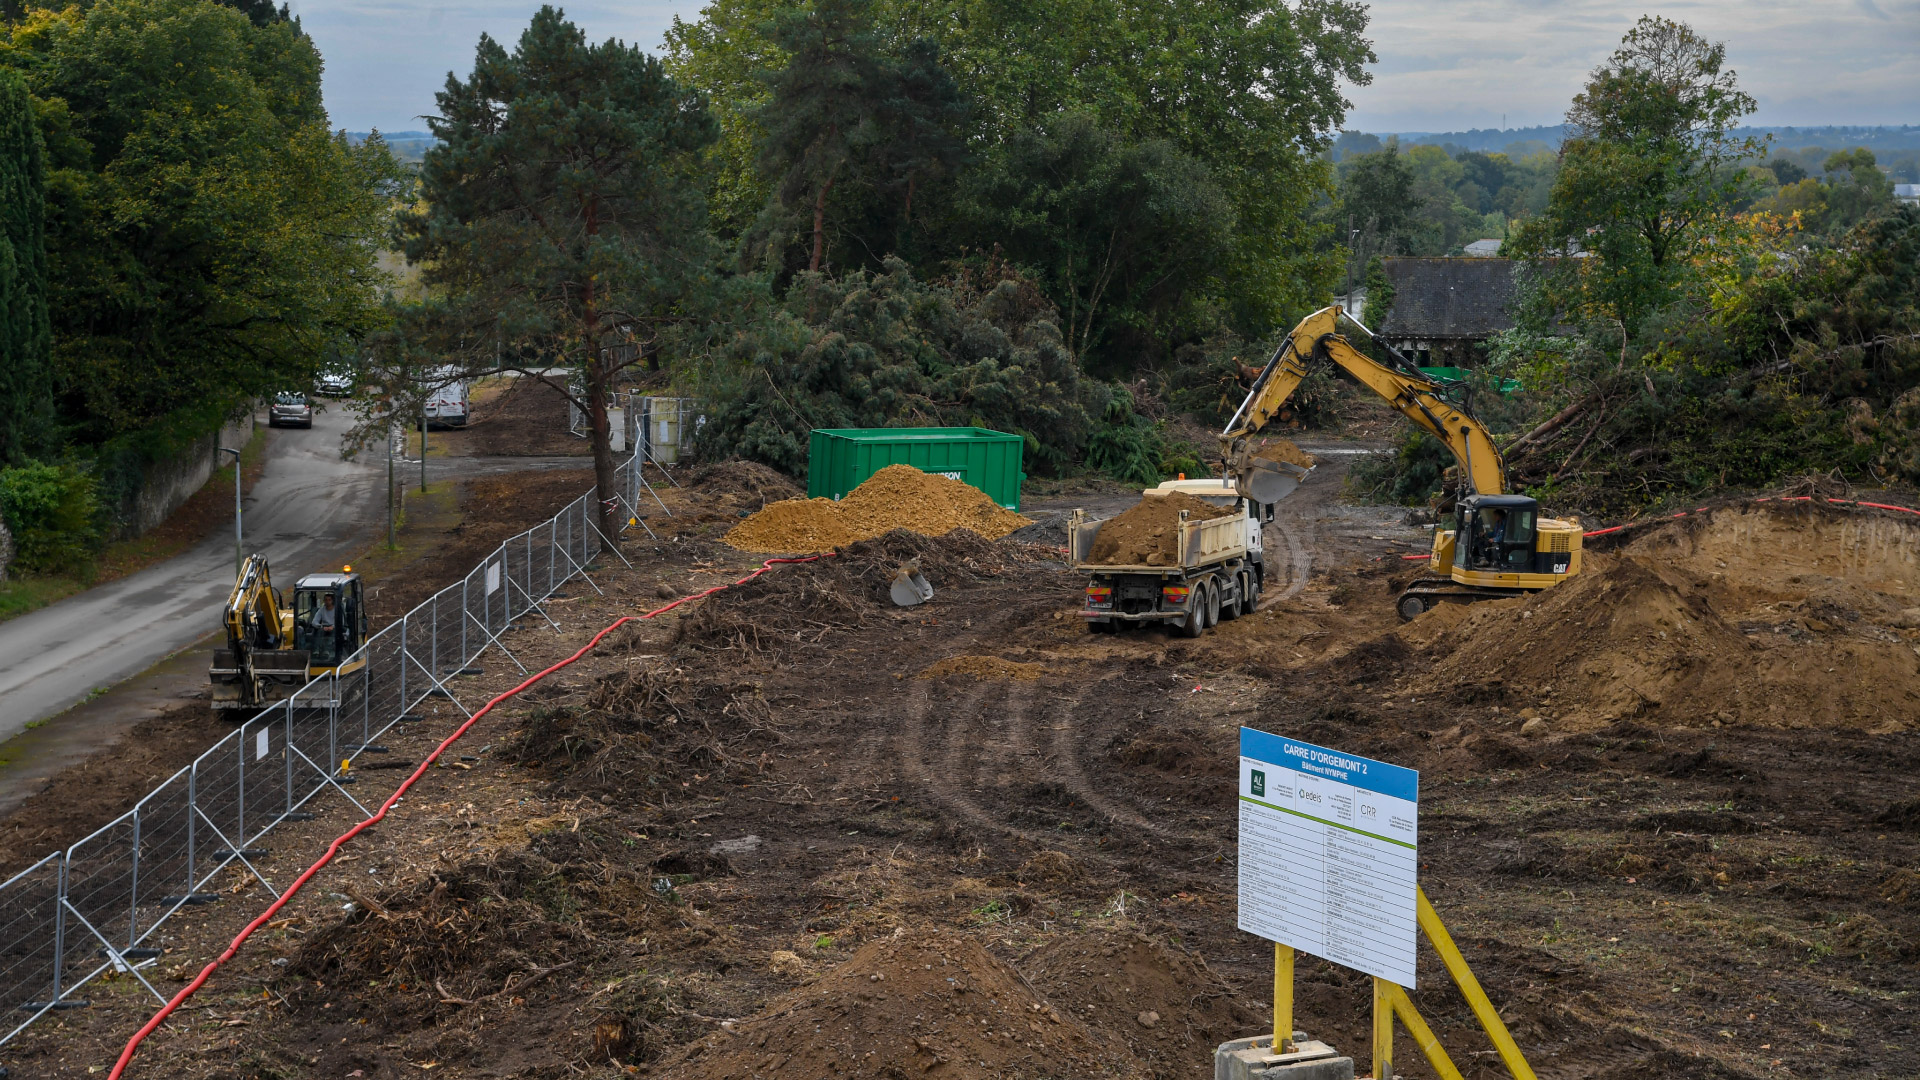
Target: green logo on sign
pixel 1259 783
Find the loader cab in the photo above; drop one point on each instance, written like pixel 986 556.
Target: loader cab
pixel 1497 533
pixel 327 648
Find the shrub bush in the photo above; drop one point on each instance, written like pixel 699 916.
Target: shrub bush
pixel 53 511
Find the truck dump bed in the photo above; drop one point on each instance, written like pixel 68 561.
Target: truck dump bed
pixel 1200 543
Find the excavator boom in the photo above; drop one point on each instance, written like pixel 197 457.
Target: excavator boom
pixel 257 666
pixel 1317 338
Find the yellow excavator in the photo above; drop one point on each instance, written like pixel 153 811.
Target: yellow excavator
pixel 1498 545
pixel 274 647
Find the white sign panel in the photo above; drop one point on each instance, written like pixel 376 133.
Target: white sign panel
pixel 1329 854
pixel 493 578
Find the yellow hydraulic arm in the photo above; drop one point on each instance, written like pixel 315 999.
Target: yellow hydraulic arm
pixel 1417 398
pixel 253 616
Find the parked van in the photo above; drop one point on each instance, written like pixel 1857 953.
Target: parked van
pixel 446 404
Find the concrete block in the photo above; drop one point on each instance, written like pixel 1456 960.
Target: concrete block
pixel 1254 1059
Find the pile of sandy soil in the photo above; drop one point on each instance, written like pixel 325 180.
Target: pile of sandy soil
pixel 1147 535
pixel 896 497
pixel 983 667
pixel 905 1007
pixel 1781 617
pixel 1282 450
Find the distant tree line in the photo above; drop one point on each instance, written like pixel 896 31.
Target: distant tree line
pixel 863 211
pixel 1698 314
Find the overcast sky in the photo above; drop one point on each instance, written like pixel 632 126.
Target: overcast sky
pixel 1444 66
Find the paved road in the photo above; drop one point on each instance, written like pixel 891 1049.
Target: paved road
pixel 308 510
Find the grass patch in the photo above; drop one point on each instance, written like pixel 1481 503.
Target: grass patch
pixel 19 595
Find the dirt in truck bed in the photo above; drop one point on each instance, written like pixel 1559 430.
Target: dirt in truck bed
pixel 795 832
pixel 1148 534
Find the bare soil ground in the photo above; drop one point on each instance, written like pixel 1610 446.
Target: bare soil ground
pixel 792 831
pixel 511 416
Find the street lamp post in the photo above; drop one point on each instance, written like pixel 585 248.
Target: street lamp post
pixel 237 560
pixel 391 432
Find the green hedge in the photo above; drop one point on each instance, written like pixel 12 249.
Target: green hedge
pixel 53 512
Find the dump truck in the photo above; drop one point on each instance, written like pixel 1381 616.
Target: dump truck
pixel 1216 572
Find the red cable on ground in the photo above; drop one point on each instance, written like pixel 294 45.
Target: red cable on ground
pixel 333 849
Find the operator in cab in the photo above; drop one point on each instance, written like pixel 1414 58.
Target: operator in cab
pixel 1494 535
pixel 324 617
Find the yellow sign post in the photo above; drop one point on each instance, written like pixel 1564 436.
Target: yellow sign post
pixel 1391 1000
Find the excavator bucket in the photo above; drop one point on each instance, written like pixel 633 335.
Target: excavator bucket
pixel 910 587
pixel 1268 481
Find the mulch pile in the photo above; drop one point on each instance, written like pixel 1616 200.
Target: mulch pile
pixel 1148 534
pixel 896 497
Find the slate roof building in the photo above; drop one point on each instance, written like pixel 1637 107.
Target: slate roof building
pixel 1442 308
pixel 1907 193
pixel 1483 248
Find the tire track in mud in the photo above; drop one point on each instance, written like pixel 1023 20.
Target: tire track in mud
pixel 1299 563
pixel 1068 743
pixel 950 783
pixel 1065 762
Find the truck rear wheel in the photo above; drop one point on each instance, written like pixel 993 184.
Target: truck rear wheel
pixel 1213 603
pixel 1232 609
pixel 1195 620
pixel 1100 626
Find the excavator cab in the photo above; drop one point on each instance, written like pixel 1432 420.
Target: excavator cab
pixel 329 619
pixel 1497 532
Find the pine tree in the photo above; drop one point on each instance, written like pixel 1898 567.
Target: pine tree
pixel 26 393
pixel 561 219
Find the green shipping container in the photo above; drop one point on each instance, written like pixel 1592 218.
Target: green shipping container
pixel 840 459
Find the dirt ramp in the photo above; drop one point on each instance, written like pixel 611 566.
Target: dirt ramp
pixel 1764 617
pixel 917 1005
pixel 1764 553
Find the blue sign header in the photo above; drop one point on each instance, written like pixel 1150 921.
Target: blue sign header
pixel 1360 772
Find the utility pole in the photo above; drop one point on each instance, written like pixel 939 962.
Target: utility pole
pixel 423 447
pixel 1348 299
pixel 237 560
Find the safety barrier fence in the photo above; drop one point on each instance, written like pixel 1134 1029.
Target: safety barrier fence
pixel 99 906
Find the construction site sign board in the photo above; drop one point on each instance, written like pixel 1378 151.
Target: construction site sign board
pixel 1329 853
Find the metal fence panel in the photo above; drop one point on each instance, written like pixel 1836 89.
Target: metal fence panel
pixel 66 918
pixel 29 943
